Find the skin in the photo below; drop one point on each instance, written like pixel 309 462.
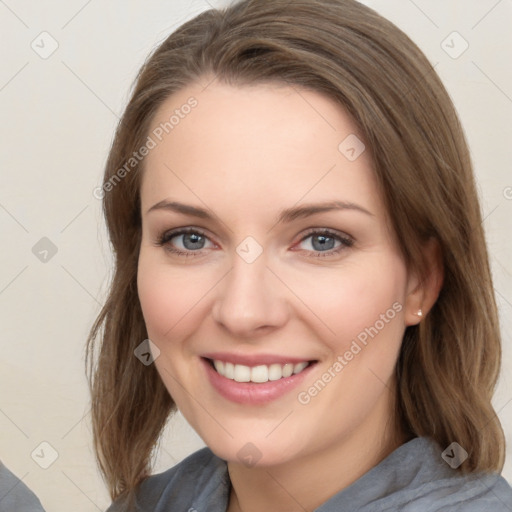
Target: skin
pixel 245 154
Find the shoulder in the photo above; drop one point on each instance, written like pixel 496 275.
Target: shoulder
pixel 199 477
pixel 479 492
pixel 416 478
pixel 15 495
pixel 428 483
pixel 474 493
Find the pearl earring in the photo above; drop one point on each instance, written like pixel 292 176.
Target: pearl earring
pixel 420 313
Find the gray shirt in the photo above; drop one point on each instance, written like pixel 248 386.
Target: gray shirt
pixel 15 496
pixel 413 478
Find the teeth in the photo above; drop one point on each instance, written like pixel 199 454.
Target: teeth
pixel 287 370
pixel 276 372
pixel 259 374
pixel 299 367
pixel 229 371
pixel 242 373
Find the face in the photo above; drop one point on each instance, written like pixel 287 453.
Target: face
pixel 268 276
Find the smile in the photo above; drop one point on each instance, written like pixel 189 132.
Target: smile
pixel 262 379
pixel 258 374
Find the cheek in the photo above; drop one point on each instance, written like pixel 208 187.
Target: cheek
pixel 170 302
pixel 363 307
pixel 158 301
pixel 170 298
pixel 348 300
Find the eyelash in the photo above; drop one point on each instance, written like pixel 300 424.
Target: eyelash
pixel 164 238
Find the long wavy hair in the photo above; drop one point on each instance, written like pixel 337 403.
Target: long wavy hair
pixel 449 364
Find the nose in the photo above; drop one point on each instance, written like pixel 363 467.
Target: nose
pixel 251 300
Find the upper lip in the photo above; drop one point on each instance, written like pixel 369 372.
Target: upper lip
pixel 254 359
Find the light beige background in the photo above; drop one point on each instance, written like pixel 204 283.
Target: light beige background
pixel 58 116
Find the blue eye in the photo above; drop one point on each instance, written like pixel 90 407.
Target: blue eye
pixel 191 241
pixel 325 242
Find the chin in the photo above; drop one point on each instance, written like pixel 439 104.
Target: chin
pixel 255 451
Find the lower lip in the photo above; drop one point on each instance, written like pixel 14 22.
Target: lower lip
pixel 250 392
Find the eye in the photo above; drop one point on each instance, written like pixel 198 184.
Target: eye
pixel 192 241
pixel 325 242
pixel 184 241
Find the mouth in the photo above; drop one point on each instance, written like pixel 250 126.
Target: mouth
pixel 255 383
pixel 257 374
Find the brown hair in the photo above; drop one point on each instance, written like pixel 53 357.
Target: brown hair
pixel 448 365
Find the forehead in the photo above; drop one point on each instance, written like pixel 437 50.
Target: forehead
pixel 265 143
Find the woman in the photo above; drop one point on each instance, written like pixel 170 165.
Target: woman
pixel 300 270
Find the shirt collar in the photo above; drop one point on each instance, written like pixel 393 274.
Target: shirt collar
pixel 408 467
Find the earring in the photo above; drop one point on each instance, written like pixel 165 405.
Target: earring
pixel 420 313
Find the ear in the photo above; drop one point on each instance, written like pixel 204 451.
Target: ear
pixel 422 293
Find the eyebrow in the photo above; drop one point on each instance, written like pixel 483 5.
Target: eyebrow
pixel 287 215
